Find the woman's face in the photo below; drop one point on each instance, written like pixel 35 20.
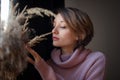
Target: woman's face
pixel 63 36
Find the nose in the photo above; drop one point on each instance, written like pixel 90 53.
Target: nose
pixel 54 30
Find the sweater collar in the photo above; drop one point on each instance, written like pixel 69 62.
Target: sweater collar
pixel 67 61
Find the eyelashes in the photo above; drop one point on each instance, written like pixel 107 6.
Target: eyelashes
pixel 63 27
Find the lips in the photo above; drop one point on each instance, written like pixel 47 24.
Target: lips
pixel 55 38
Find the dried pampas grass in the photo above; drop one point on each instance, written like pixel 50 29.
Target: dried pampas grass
pixel 13 39
pixel 12 52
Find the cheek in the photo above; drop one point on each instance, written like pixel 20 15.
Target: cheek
pixel 68 35
pixel 63 40
pixel 69 39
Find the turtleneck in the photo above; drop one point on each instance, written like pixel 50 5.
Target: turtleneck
pixel 82 64
pixel 69 60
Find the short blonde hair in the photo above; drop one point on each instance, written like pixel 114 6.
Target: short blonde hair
pixel 79 22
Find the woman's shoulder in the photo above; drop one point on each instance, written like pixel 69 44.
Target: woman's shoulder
pixel 96 55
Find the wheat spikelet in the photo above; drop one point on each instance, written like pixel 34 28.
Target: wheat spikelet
pixel 38 39
pixel 39 11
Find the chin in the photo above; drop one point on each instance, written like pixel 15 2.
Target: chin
pixel 56 45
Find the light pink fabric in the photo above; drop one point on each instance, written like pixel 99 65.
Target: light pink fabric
pixel 81 65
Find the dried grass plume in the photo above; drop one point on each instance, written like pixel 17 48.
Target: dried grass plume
pixel 12 40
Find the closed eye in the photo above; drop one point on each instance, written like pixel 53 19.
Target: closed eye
pixel 63 27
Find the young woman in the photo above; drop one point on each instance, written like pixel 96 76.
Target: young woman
pixel 70 60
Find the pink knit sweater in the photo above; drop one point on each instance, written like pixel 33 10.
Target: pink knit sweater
pixel 81 65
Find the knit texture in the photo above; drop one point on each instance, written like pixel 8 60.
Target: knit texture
pixel 81 65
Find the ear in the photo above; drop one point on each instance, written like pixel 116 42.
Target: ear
pixel 82 36
pixel 78 37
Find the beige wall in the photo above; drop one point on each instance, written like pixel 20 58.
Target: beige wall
pixel 105 15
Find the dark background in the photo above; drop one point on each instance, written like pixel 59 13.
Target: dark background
pixel 39 25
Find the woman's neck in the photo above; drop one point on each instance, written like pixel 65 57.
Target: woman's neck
pixel 69 50
pixel 66 51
